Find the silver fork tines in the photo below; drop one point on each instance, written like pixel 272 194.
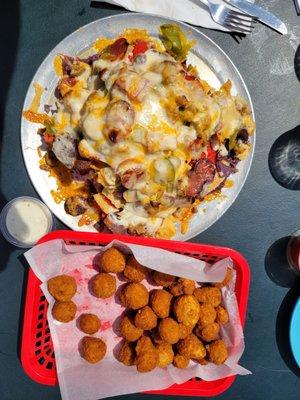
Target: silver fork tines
pixel 231 19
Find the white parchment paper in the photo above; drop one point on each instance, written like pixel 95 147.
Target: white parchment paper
pixel 192 11
pixel 80 380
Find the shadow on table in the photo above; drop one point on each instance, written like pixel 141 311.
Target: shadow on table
pixel 277 266
pixel 25 265
pixel 9 32
pixel 284 159
pixel 283 325
pixel 297 63
pixel 106 6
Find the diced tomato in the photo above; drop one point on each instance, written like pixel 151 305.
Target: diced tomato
pixel 211 154
pixel 49 139
pixel 189 77
pixel 140 47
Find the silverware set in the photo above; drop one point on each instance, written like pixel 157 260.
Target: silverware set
pixel 241 21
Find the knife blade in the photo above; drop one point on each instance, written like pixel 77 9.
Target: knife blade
pixel 260 13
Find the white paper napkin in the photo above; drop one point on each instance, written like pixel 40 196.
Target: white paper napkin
pixel 192 11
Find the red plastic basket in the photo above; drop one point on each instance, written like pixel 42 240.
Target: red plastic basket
pixel 37 354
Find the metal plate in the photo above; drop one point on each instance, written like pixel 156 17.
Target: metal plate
pixel 214 66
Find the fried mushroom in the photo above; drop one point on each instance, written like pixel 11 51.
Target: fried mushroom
pixel 186 309
pixel 165 354
pixel 182 286
pixel 134 271
pixel 180 361
pixel 103 285
pixel 168 330
pixel 112 260
pixel 64 311
pixel 134 296
pixel 162 279
pixel 145 318
pixel 209 295
pixel 128 330
pixel 89 323
pixel 217 352
pixel 191 347
pixel 160 302
pixel 147 355
pixel 207 314
pixel 127 354
pixel 62 287
pixel 93 349
pixel 208 332
pixel 222 315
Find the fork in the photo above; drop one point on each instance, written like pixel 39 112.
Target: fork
pixel 231 19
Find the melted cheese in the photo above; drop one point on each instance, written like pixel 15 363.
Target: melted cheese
pixel 165 115
pixel 35 104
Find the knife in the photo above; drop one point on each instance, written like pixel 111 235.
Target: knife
pixel 260 13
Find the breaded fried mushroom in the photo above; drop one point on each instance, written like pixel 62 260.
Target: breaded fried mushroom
pixel 165 354
pixel 208 332
pixel 160 302
pixel 188 285
pixel 162 279
pixel 134 296
pixel 64 311
pixel 103 285
pixel 144 343
pixel 217 352
pixel 168 330
pixel 145 318
pixel 182 286
pixel 225 281
pixel 92 349
pixel 112 260
pixel 62 287
pixel 155 336
pixel 89 323
pixel 180 361
pixel 222 315
pixel 207 314
pixel 147 355
pixel 127 353
pixel 128 330
pixel 202 361
pixel 208 295
pixel 191 347
pixel 184 331
pixel 134 271
pixel 186 309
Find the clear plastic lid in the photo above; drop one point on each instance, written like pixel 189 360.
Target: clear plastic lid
pixel 24 220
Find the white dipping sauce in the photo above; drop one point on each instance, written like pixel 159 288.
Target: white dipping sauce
pixel 26 221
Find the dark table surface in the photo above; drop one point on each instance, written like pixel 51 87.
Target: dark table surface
pixel 263 213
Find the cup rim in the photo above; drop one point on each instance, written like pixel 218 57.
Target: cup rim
pixel 10 238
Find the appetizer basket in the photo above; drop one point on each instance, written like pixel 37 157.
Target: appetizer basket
pixel 37 353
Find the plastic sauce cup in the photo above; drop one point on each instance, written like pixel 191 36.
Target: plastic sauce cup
pixel 24 220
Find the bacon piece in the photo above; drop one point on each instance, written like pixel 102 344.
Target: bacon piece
pixel 118 49
pixel 203 172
